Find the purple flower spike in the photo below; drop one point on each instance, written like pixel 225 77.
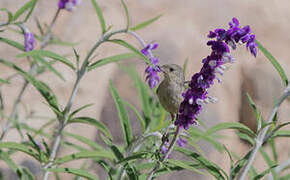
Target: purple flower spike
pixel 69 5
pixel 213 67
pixel 28 41
pixel 152 71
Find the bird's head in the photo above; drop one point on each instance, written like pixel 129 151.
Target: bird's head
pixel 172 72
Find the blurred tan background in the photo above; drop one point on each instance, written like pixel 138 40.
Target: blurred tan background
pixel 181 33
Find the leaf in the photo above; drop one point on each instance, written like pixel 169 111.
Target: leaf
pixel 145 23
pixel 123 116
pixel 131 172
pixel 44 90
pixel 282 133
pixel 274 62
pixel 49 54
pixel 143 94
pixel 9 14
pixel 239 165
pixel 27 6
pixel 134 156
pixel 196 134
pixel 78 110
pixel 48 66
pixel 212 168
pixel 139 117
pixel 6 158
pixel 231 125
pixel 183 165
pixel 27 175
pixel 259 176
pixel 127 14
pixel 19 147
pixel 84 155
pixel 84 140
pixel 4 81
pixel 269 162
pixel 78 172
pixel 100 16
pixel 111 59
pixel 132 48
pixel 94 122
pixel 255 109
pixel 13 43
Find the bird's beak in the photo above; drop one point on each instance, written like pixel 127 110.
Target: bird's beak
pixel 161 69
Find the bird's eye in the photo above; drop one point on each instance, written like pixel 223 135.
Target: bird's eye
pixel 171 69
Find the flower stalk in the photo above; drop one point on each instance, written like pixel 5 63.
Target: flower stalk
pixel 261 136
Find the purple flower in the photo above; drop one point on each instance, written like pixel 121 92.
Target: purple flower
pixel 151 71
pixel 213 66
pixel 68 4
pixel 181 142
pixel 28 41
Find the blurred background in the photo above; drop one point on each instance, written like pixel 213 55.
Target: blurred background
pixel 182 34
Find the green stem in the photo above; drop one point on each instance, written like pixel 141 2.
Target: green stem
pixel 170 149
pixel 63 122
pixel 32 72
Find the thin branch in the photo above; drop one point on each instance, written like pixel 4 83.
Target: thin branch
pixel 32 72
pixel 262 134
pixel 63 122
pixel 170 149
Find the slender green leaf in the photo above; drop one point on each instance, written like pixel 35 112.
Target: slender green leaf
pixel 84 140
pixel 231 125
pixel 196 135
pixel 239 165
pixel 84 155
pixel 4 81
pixel 19 147
pixel 127 14
pixel 44 90
pixel 132 48
pixel 286 177
pixel 9 14
pixel 269 162
pixel 27 175
pixel 78 172
pixel 27 6
pixel 94 122
pixel 255 109
pixel 12 43
pixel 123 116
pixel 131 171
pixel 139 117
pixel 274 62
pixel 135 156
pixel 100 15
pixel 78 110
pixel 143 91
pixel 111 59
pixel 274 150
pixel 281 133
pixel 145 23
pixel 6 158
pixel 62 43
pixel 259 176
pixel 184 165
pixel 212 168
pixel 48 54
pixel 48 66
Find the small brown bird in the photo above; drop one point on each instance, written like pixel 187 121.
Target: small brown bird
pixel 170 89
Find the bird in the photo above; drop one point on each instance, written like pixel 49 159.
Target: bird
pixel 170 90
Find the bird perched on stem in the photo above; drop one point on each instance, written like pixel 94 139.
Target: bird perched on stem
pixel 171 88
